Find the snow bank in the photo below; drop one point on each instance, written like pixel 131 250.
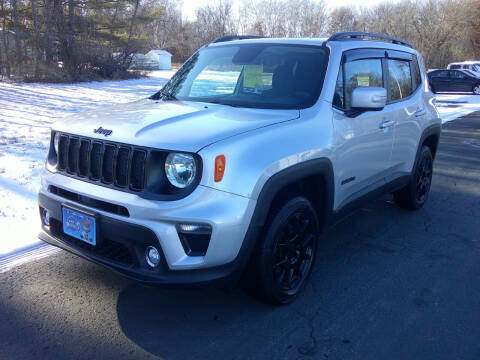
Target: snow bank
pixel 452 107
pixel 26 113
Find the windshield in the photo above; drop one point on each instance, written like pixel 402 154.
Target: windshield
pixel 272 76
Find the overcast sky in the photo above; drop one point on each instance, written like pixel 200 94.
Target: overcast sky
pixel 189 6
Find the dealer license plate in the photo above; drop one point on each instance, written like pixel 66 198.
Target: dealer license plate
pixel 79 225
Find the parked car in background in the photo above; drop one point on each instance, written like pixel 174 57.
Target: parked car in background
pixel 473 66
pixel 453 81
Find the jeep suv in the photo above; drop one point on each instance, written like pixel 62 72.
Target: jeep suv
pixel 237 164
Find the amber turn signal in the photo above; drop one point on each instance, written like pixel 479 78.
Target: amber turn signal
pixel 219 167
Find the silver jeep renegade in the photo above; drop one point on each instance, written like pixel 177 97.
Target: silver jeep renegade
pixel 237 164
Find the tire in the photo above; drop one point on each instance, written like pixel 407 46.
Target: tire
pixel 286 253
pixel 414 195
pixel 476 89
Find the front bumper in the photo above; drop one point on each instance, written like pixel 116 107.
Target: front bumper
pixel 124 238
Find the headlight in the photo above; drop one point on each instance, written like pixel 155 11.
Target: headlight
pixel 56 142
pixel 180 169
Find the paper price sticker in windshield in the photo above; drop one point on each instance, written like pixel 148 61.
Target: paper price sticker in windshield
pixel 363 80
pixel 253 78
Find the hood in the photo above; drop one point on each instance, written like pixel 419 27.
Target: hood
pixel 171 125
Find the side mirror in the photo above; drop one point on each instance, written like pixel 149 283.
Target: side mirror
pixel 369 98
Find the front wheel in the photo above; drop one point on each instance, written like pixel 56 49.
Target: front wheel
pixel 476 89
pixel 286 252
pixel 414 195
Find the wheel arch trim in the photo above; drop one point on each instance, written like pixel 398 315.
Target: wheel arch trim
pixel 281 179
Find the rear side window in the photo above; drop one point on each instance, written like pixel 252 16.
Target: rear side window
pixel 353 74
pixel 400 78
pixel 457 75
pixel 455 67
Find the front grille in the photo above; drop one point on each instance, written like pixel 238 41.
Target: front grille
pixel 100 161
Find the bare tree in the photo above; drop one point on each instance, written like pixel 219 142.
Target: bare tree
pixel 342 19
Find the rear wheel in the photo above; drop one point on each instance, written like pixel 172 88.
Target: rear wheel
pixel 414 195
pixel 286 253
pixel 476 89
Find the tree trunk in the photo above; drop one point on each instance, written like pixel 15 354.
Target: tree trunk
pixel 71 36
pixel 62 35
pixel 18 41
pixel 114 19
pixel 130 31
pixel 5 39
pixel 36 38
pixel 49 47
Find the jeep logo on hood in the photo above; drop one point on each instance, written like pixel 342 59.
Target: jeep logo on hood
pixel 103 131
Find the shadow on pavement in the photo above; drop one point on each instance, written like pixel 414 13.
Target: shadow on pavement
pixel 177 324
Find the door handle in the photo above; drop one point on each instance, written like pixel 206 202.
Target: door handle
pixel 420 112
pixel 387 123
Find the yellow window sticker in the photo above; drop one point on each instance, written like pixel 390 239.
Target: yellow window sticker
pixel 363 80
pixel 253 77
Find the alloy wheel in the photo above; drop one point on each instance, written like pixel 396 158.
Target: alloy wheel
pixel 294 251
pixel 424 179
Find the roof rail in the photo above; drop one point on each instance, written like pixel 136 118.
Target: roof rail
pixel 236 37
pixel 349 35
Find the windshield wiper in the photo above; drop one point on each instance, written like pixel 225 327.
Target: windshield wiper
pixel 167 95
pixel 162 94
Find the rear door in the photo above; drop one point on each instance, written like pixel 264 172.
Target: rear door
pixel 363 142
pixel 441 80
pixel 405 102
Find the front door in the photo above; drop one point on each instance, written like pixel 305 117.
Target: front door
pixel 364 142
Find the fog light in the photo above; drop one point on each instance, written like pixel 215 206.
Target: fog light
pixel 152 256
pixel 46 218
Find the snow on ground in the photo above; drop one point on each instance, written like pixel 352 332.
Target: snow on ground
pixel 26 113
pixel 452 106
pixel 28 110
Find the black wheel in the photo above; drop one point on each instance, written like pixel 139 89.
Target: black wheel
pixel 415 194
pixel 476 89
pixel 286 252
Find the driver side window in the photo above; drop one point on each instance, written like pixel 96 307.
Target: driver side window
pixel 353 74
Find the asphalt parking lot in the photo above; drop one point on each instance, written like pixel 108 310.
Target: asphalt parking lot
pixel 388 284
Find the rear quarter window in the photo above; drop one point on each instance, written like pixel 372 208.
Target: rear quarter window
pixel 417 75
